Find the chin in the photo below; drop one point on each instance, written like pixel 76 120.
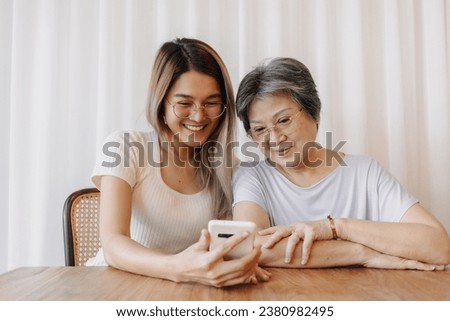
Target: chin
pixel 194 139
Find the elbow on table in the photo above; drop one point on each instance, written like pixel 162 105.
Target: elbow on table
pixel 109 257
pixel 110 253
pixel 444 249
pixel 446 253
pixel 441 253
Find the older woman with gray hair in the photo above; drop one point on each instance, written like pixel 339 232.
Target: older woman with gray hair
pixel 317 207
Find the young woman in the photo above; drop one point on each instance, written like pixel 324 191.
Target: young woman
pixel 159 189
pixel 304 193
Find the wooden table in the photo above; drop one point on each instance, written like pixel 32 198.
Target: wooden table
pixel 105 283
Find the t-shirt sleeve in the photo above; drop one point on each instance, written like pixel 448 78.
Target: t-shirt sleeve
pixel 116 159
pixel 393 199
pixel 247 186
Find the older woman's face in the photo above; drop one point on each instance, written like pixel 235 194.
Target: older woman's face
pixel 282 128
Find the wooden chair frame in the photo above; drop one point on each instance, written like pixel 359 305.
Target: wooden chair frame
pixel 80 226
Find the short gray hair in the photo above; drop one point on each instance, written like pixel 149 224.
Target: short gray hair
pixel 278 77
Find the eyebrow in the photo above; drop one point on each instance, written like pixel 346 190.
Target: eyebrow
pixel 191 97
pixel 273 117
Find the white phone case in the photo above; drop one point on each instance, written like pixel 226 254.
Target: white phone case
pixel 221 230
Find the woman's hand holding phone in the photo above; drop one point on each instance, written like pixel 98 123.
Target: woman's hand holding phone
pixel 198 264
pixel 221 230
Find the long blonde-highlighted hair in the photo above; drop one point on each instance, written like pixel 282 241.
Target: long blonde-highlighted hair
pixel 172 60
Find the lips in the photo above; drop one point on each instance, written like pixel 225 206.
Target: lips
pixel 284 148
pixel 194 128
pixel 284 151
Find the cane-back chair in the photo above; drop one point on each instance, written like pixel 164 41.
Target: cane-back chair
pixel 81 226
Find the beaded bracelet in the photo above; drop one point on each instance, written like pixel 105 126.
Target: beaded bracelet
pixel 333 227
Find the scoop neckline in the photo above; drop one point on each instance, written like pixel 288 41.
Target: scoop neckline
pixel 319 182
pixel 157 157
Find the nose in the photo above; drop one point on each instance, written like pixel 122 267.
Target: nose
pixel 275 136
pixel 198 114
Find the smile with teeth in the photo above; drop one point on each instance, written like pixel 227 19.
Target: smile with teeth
pixel 194 128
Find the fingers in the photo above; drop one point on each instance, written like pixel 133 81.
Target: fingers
pixel 262 275
pixel 440 267
pixel 385 261
pixel 292 243
pixel 279 234
pixel 269 230
pixel 417 265
pixel 251 279
pixel 243 270
pixel 209 267
pixel 245 266
pixel 221 250
pixel 290 247
pixel 307 246
pixel 294 237
pixel 203 242
pixel 237 278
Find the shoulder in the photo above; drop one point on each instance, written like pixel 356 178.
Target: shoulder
pixel 360 162
pixel 134 148
pixel 365 166
pixel 256 173
pixel 129 136
pixel 255 167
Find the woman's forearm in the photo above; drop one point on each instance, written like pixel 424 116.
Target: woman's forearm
pixel 324 254
pixel 339 253
pixel 125 254
pixel 414 241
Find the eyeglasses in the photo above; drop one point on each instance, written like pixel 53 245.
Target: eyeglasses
pixel 260 133
pixel 185 108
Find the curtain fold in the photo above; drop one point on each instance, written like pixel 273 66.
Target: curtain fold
pixel 73 71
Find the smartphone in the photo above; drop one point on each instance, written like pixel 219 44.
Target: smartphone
pixel 220 230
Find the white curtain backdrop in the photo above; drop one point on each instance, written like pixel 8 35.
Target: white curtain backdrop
pixel 71 71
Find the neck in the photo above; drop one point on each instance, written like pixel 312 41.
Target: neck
pixel 319 163
pixel 179 154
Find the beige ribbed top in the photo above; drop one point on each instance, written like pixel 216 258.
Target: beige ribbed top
pixel 161 217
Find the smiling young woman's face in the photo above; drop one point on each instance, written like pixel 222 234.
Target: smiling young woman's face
pixel 282 144
pixel 198 88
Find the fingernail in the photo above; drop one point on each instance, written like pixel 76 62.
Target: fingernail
pixel 287 260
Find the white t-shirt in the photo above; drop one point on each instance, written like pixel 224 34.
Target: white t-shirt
pixel 161 218
pixel 360 189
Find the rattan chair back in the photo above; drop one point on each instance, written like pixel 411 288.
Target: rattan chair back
pixel 81 226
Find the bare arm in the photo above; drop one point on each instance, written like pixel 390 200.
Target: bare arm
pixel 119 249
pixel 329 253
pixel 419 236
pixel 195 263
pixel 332 253
pixel 324 254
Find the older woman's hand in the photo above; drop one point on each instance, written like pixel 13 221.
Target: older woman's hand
pixel 306 231
pixel 383 261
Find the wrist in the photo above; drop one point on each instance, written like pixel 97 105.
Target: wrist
pixel 172 269
pixel 332 227
pixel 365 254
pixel 339 224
